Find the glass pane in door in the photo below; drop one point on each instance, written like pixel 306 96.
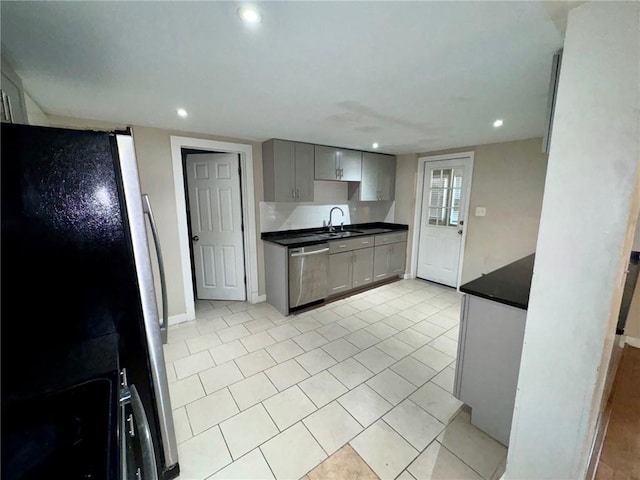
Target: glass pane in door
pixel 445 193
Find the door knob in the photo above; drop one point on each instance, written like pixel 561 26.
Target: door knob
pixel 459 232
pixel 195 238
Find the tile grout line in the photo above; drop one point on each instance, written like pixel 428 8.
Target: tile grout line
pixel 265 461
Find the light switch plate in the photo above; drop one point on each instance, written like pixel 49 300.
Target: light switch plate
pixel 481 211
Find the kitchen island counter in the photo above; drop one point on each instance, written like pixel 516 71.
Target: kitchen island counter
pixel 492 323
pixel 509 285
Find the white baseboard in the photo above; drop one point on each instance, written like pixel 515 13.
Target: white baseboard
pixel 255 298
pixel 180 318
pixel 407 276
pixel 634 342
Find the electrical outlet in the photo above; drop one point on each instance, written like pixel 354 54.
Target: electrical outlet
pixel 481 211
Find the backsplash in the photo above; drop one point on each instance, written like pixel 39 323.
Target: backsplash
pixel 275 216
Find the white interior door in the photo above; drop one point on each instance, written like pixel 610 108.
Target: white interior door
pixel 215 208
pixel 444 211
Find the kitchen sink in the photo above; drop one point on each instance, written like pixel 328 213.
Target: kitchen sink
pixel 340 234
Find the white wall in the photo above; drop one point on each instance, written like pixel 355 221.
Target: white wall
pixel 591 201
pixel 35 115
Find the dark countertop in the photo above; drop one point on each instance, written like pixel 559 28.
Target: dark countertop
pixel 311 236
pixel 509 285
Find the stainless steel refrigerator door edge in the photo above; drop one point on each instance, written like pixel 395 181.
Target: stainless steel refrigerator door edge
pixel 133 201
pixel 146 204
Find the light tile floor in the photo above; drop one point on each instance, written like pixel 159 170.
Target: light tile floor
pixel 259 395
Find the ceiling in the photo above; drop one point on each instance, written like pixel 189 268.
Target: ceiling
pixel 412 76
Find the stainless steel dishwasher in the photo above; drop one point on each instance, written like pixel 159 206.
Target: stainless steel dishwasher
pixel 308 274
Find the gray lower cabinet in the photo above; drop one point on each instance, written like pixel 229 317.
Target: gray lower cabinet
pixel 349 270
pixel 390 255
pixel 378 177
pixel 350 264
pixel 288 171
pixel 488 363
pixel 362 267
pixel 389 260
pixel 333 163
pixel 340 272
pixel 353 263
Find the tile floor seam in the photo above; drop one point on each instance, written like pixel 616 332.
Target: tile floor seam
pixel 270 417
pixel 312 402
pixel 403 398
pixel 367 463
pixel 309 398
pixel 188 422
pixel 236 403
pixel 228 451
pixel 348 413
pixel 406 439
pixel 499 464
pixel 265 461
pixel 317 441
pixel 271 356
pixel 233 398
pixel 442 445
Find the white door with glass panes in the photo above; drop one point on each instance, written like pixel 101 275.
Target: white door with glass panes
pixel 443 213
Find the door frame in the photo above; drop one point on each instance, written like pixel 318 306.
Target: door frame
pixel 422 163
pixel 245 152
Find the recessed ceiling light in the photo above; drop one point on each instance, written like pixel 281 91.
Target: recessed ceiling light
pixel 375 145
pixel 249 15
pixel 498 123
pixel 182 112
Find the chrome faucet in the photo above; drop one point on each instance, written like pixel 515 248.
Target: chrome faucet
pixel 331 227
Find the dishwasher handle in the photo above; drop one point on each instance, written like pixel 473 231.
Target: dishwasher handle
pixel 305 254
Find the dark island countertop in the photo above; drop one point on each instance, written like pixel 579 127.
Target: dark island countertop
pixel 509 285
pixel 310 236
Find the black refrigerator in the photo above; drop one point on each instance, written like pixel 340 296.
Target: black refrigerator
pixel 83 382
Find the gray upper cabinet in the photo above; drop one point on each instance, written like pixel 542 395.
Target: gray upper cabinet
pixel 13 104
pixel 378 177
pixel 288 171
pixel 342 164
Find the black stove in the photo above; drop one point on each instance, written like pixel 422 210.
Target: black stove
pixel 69 434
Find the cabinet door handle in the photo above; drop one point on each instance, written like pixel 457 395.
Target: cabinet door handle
pixel 10 109
pixel 5 109
pixel 297 193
